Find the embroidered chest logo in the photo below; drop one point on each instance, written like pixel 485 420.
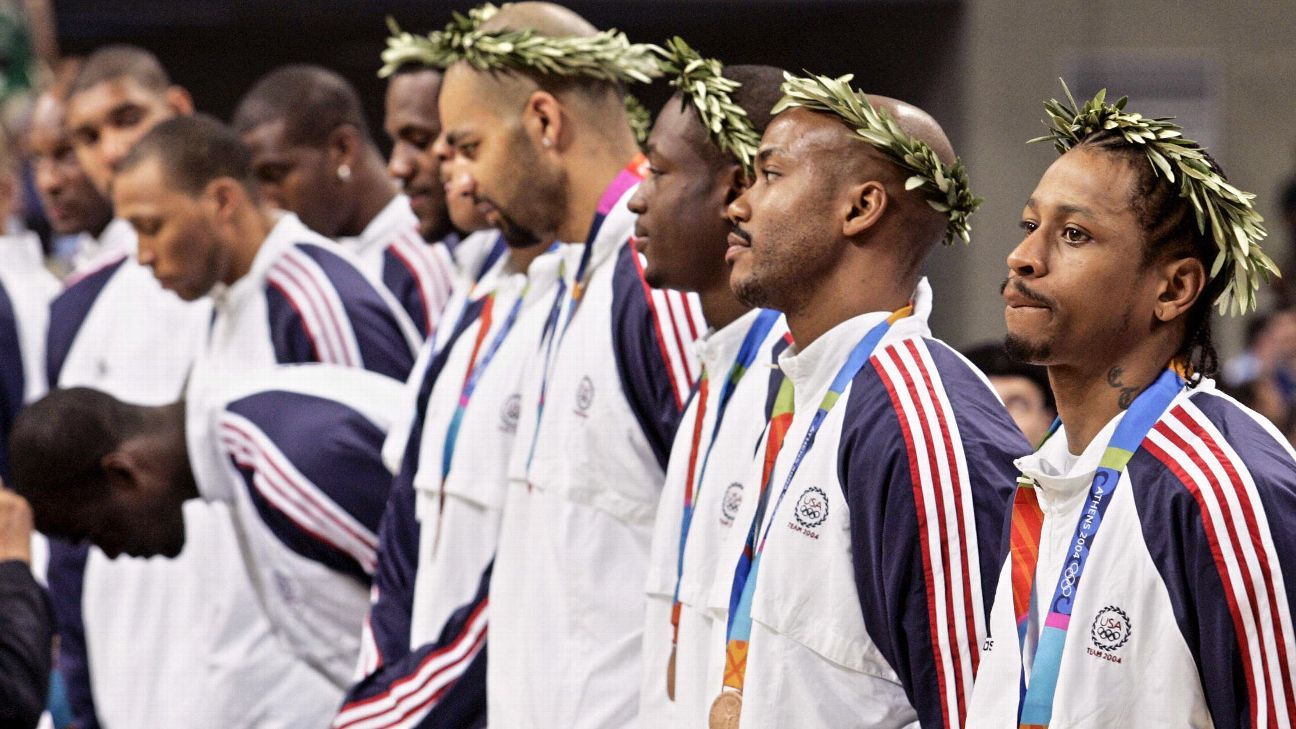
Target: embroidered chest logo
pixel 1110 630
pixel 510 412
pixel 584 396
pixel 730 503
pixel 811 510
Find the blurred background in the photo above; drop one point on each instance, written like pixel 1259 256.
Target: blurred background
pixel 982 67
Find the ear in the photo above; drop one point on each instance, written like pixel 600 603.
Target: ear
pixel 1181 281
pixel 178 98
pixel 342 145
pixel 542 117
pixel 867 202
pixel 224 198
pixel 120 470
pixel 735 177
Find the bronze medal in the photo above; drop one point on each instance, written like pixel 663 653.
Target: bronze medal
pixel 670 676
pixel 725 710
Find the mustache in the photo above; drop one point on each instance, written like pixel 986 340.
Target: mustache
pixel 1026 291
pixel 738 231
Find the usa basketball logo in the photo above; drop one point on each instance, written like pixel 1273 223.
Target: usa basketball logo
pixel 1111 628
pixel 510 412
pixel 812 508
pixel 730 503
pixel 584 395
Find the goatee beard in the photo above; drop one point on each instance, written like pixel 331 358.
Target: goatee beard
pixel 1023 351
pixel 749 292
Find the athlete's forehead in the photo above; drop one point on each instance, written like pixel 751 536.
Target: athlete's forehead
pixel 267 140
pixel 801 136
pixel 144 189
pixel 412 97
pixel 678 132
pixel 1087 184
pixel 469 92
pixel 94 106
pixel 47 129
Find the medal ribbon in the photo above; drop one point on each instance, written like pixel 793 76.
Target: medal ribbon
pixel 629 176
pixel 475 370
pixel 1035 708
pixel 747 352
pixel 738 630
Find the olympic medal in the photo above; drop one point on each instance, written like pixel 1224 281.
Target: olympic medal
pixel 670 676
pixel 725 710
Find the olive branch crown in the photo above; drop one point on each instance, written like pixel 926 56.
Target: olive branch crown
pixel 701 81
pixel 607 56
pixel 945 187
pixel 1222 211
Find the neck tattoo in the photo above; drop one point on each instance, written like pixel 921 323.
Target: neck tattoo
pixel 1127 394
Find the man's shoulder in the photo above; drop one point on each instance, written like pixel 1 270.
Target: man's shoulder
pixel 320 274
pixel 90 282
pixel 312 397
pixel 917 375
pixel 315 433
pixel 1209 437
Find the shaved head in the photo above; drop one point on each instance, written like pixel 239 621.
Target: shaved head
pixel 544 18
pixel 827 229
pixel 918 124
pixel 856 160
pixel 510 90
pixel 569 134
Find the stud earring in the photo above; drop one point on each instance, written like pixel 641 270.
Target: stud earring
pixel 344 172
pixel 547 142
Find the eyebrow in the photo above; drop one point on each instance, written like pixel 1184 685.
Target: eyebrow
pixel 453 138
pixel 1065 208
pixel 768 152
pixel 124 106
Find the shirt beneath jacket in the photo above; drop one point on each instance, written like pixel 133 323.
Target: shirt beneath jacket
pixel 718 493
pixel 418 273
pixel 1183 614
pixel 881 555
pixel 567 594
pixel 474 256
pixel 423 658
pixel 299 460
pixel 117 330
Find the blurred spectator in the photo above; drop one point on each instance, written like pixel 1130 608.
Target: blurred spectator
pixel 25 631
pixel 1284 288
pixel 1264 376
pixel 77 212
pixel 1024 388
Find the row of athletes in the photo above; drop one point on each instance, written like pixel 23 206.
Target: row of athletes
pixel 664 372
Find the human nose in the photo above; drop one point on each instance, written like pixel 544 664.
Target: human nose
pixel 114 147
pixel 400 164
pixel 1027 259
pixel 739 211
